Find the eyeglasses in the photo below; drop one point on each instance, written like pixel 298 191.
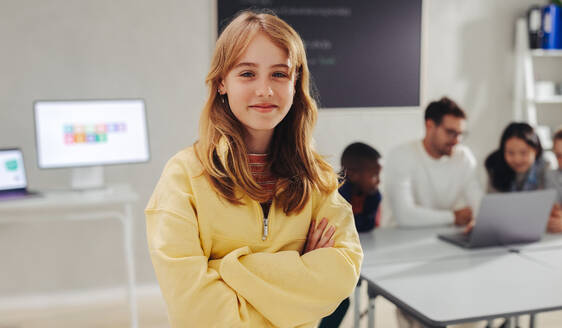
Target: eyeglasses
pixel 454 134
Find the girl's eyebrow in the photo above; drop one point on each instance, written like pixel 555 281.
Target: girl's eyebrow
pixel 281 65
pixel 243 64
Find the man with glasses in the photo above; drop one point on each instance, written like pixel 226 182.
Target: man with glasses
pixel 433 181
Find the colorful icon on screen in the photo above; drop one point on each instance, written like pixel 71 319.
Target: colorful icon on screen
pixel 80 137
pixel 11 165
pixel 100 128
pixel 68 138
pixel 91 133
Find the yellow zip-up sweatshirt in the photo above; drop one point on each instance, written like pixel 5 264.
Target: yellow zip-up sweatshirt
pixel 216 270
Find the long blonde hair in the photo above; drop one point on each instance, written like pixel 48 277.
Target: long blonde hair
pixel 221 147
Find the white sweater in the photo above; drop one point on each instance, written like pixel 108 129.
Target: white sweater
pixel 425 191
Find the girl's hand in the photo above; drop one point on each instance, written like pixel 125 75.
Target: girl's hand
pixel 555 221
pixel 319 237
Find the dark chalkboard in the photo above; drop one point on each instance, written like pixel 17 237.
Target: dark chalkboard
pixel 361 53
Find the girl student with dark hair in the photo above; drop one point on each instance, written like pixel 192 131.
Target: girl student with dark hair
pixel 518 164
pixel 554 179
pixel 232 223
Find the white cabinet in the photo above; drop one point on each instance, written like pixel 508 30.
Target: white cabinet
pixel 542 110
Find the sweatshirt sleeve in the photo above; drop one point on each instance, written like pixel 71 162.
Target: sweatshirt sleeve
pixel 551 183
pixel 290 289
pixel 194 293
pixel 401 199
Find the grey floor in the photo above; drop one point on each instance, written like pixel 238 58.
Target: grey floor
pixel 152 314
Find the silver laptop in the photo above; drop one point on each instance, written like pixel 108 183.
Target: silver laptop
pixel 508 218
pixel 13 182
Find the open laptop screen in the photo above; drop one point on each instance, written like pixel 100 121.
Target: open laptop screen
pixel 12 172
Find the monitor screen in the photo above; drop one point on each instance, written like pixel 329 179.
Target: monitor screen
pixel 90 132
pixel 12 172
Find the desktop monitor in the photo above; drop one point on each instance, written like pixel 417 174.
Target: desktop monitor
pixel 90 133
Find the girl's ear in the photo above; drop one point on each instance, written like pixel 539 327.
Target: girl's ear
pixel 221 89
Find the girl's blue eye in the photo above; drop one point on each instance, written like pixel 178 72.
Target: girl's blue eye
pixel 247 74
pixel 280 74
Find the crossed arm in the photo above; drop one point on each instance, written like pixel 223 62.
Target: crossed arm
pixel 284 289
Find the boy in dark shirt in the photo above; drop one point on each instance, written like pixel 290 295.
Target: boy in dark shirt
pixel 361 166
pixel 361 169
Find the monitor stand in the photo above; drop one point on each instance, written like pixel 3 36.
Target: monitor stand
pixel 87 178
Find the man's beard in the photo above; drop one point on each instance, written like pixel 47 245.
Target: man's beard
pixel 446 150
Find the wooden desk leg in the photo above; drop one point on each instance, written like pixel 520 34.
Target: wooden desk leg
pixel 128 243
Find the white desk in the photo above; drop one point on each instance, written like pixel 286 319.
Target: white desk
pixel 442 293
pixel 442 286
pixel 113 202
pixel 391 245
pixel 548 241
pixel 551 257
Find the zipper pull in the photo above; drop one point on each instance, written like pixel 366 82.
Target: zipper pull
pixel 265 228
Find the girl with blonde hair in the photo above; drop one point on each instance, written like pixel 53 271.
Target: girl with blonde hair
pixel 232 223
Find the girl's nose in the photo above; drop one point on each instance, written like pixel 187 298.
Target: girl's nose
pixel 264 91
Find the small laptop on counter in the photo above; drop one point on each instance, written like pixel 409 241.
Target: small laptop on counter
pixel 13 182
pixel 508 218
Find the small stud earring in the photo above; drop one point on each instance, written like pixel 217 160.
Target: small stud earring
pixel 221 96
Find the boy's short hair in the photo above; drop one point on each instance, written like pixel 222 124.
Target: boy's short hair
pixel 358 155
pixel 444 106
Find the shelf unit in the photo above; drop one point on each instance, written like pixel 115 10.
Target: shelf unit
pixel 526 102
pixel 550 100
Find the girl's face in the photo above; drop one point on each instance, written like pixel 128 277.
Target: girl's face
pixel 519 155
pixel 260 88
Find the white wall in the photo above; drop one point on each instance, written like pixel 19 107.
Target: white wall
pixel 160 51
pixel 468 55
pixel 157 50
